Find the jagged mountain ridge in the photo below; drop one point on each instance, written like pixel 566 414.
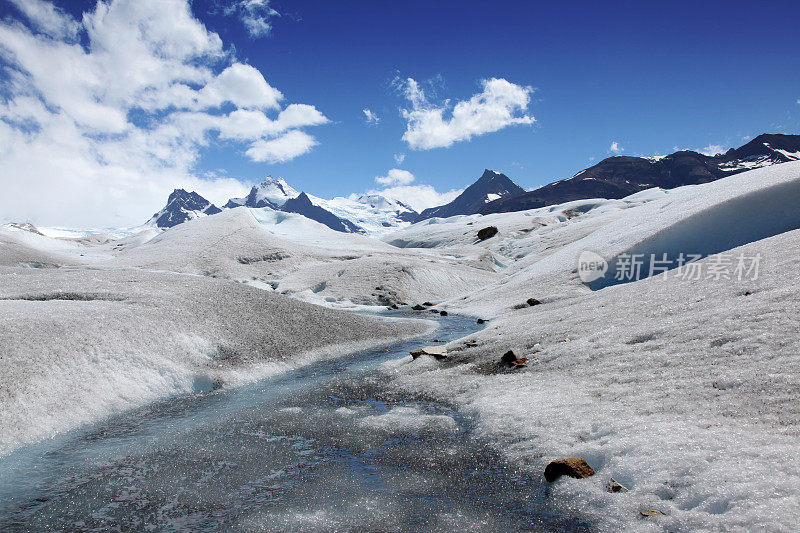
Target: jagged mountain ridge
pixel 303 205
pixel 494 192
pixel 182 206
pixel 363 214
pixel 620 176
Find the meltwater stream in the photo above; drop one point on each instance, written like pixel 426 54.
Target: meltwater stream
pixel 322 448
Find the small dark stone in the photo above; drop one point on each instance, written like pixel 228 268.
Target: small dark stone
pixel 533 301
pixel 509 357
pixel 437 352
pixel 576 467
pixel 481 321
pixel 427 304
pixel 443 313
pixel 487 233
pixel 418 308
pixel 651 512
pixel 615 486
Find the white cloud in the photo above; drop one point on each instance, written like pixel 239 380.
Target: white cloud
pixel 499 105
pixel 395 176
pixel 255 15
pixel 615 148
pixel 399 158
pixel 417 197
pixel 116 123
pixel 370 117
pixel 712 149
pixel 48 19
pixel 282 149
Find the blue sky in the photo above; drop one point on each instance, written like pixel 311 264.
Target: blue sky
pixel 649 77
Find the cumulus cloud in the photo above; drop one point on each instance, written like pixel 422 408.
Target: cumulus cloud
pixel 395 176
pixel 418 197
pixel 282 149
pixel 615 148
pixel 712 149
pixel 115 120
pixel 399 158
pixel 255 15
pixel 500 104
pixel 370 117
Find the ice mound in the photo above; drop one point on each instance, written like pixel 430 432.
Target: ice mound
pixel 404 420
pixel 80 344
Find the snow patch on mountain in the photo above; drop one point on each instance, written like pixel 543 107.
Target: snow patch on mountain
pixel 272 192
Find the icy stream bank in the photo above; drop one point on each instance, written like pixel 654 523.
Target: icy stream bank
pixel 322 447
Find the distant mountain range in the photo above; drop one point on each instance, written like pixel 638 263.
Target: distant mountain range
pixel 621 176
pixel 364 214
pixel 494 192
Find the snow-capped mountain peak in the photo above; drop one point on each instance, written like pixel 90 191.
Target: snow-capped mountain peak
pixel 378 201
pixel 272 192
pixel 181 206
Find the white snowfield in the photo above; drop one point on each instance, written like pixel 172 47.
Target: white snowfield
pixel 98 327
pixel 78 344
pixel 683 390
pixel 375 214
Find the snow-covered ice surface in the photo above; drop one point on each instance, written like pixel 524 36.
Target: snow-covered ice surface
pixel 374 213
pixel 684 391
pixel 79 344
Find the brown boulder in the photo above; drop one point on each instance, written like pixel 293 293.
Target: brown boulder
pixel 533 301
pixel 651 512
pixel 418 308
pixel 576 467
